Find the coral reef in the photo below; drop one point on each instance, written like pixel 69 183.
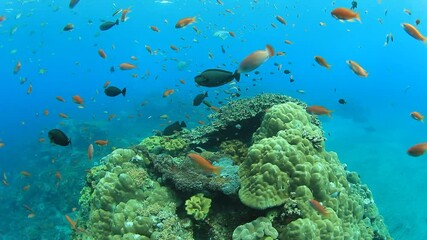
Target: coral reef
pixel 236 120
pixel 277 182
pixel 121 201
pixel 198 206
pixel 283 164
pixel 259 228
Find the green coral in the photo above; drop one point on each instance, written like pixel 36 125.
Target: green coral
pixel 198 206
pixel 259 228
pixel 158 144
pixel 283 163
pixel 121 201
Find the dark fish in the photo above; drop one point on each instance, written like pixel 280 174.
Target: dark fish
pixel 112 91
pixel 107 25
pixel 216 77
pixel 73 3
pixel 199 98
pixel 342 101
pixel 173 128
pixel 223 49
pixel 68 27
pixel 112 69
pixel 287 71
pixel 58 137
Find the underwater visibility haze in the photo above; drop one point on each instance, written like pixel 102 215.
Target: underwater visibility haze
pixel 213 119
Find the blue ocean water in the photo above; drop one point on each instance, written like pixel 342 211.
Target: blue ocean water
pixel 370 133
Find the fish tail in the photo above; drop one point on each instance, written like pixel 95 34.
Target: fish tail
pixel 236 75
pixel 358 17
pixel 270 50
pixel 124 92
pixel 117 22
pixel 217 170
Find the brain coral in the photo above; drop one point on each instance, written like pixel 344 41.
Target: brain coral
pixel 284 163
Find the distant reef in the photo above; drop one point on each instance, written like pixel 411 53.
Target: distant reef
pixel 276 181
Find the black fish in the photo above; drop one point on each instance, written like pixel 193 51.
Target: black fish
pixel 287 71
pixel 199 98
pixel 107 25
pixel 112 69
pixel 114 91
pixel 58 137
pixel 173 128
pixel 342 101
pixel 216 77
pixel 73 3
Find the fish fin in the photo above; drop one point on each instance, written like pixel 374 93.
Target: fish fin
pixel 270 50
pixel 217 170
pixel 236 75
pixel 124 92
pixel 358 17
pixel 117 22
pixel 425 40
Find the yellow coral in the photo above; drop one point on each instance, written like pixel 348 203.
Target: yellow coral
pixel 198 206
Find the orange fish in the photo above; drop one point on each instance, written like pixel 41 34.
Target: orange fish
pixel 417 116
pixel 17 67
pixel 90 152
pixel 58 176
pixel 101 142
pixel 71 222
pixel 281 20
pixel 319 110
pixel 357 69
pixel 345 14
pixel 155 29
pixel 322 62
pixel 59 98
pixel 183 22
pixel 168 92
pixel 2 18
pixel 289 42
pixel 126 66
pixel 417 150
pixel 2 144
pixel 42 139
pixel 232 34
pixel 319 207
pixel 25 173
pixel 182 81
pixel 31 215
pixel 77 99
pixel 63 115
pixel 102 53
pixel 106 84
pixel 111 116
pixel 205 164
pixel 30 89
pixel 26 187
pixel 413 32
pixel 255 59
pixel 46 112
pixel 124 17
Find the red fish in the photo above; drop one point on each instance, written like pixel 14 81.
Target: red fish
pixel 102 53
pixel 417 116
pixel 205 164
pixel 17 67
pixel 417 150
pixel 183 22
pixel 101 142
pixel 319 110
pixel 319 207
pixel 77 99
